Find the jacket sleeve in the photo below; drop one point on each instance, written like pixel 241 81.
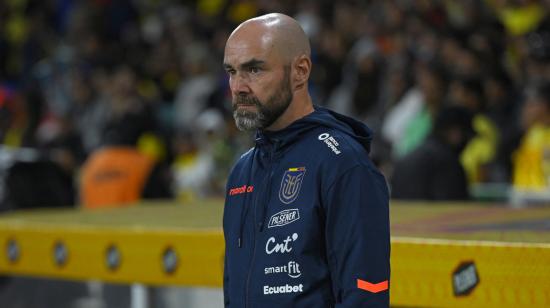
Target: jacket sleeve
pixel 358 238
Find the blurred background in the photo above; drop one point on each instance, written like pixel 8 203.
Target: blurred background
pixel 78 75
pixel 457 93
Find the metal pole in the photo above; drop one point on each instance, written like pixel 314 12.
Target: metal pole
pixel 140 296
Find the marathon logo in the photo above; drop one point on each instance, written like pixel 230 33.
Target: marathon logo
pixel 283 289
pixel 283 218
pixel 241 190
pixel 330 142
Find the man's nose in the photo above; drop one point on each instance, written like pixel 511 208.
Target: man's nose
pixel 239 85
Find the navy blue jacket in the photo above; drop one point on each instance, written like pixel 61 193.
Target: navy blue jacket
pixel 306 219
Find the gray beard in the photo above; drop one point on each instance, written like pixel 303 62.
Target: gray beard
pixel 247 121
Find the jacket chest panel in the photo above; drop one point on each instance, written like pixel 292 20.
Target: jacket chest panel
pixel 291 226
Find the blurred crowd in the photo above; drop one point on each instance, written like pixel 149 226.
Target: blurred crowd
pixel 456 91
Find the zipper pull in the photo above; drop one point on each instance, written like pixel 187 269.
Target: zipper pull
pixel 239 243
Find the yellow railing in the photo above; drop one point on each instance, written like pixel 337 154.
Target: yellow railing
pixel 443 255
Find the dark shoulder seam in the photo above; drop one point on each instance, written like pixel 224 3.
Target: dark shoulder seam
pixel 344 173
pixel 370 169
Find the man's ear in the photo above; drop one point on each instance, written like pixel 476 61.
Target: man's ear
pixel 301 71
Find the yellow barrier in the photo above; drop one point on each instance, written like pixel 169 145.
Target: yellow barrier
pixel 509 274
pixel 442 256
pixel 159 244
pixel 115 255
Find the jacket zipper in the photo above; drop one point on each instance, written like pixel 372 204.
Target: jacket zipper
pixel 251 262
pixel 267 198
pixel 250 268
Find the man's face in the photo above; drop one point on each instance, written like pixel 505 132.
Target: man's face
pixel 259 81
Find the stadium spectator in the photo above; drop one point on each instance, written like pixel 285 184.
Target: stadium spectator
pixel 531 160
pixel 410 120
pixel 503 108
pixel 203 158
pixel 121 173
pixel 481 150
pixel 196 88
pixel 118 174
pixel 433 171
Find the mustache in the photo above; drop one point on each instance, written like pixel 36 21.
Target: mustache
pixel 246 100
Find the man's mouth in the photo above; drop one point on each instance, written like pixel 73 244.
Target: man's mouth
pixel 245 105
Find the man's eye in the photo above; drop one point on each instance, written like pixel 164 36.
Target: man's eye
pixel 254 70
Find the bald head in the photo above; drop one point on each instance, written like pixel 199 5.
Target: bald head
pixel 278 32
pixel 268 62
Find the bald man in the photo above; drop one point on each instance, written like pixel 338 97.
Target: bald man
pixel 306 212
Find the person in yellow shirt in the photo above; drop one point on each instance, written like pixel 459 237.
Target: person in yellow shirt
pixel 532 158
pixel 481 149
